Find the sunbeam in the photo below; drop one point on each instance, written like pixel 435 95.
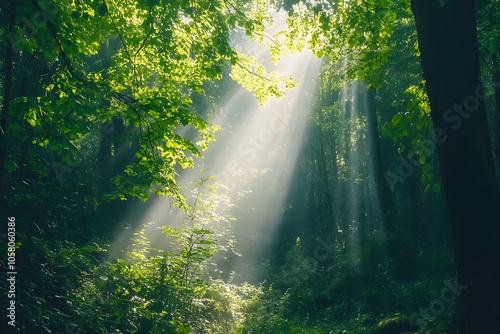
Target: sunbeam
pixel 255 156
pixel 250 166
pixel 361 215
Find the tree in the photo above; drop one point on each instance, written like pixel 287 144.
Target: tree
pixel 488 17
pixel 450 62
pixel 137 61
pixel 7 91
pixel 449 53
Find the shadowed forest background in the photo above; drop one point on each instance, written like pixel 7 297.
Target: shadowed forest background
pixel 250 166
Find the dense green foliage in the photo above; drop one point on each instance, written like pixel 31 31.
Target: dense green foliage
pixel 108 101
pixel 140 61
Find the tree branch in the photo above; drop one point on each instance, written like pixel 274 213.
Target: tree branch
pixel 253 73
pixel 124 45
pixel 52 30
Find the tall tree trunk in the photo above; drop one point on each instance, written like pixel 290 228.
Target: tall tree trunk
pixel 382 189
pixel 331 139
pixel 106 135
pixel 326 185
pixel 119 146
pixel 7 86
pixel 105 158
pixel 448 44
pixel 496 82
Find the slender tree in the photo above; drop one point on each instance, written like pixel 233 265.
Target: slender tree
pixel 7 87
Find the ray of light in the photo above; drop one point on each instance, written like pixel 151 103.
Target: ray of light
pixel 255 154
pixel 356 201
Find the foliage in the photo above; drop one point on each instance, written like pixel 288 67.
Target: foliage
pixel 489 35
pixel 44 287
pixel 157 65
pixel 141 61
pixel 164 290
pixel 413 127
pixel 359 32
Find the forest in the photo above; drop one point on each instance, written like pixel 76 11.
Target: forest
pixel 250 166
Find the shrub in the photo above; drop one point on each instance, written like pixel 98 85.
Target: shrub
pixel 168 291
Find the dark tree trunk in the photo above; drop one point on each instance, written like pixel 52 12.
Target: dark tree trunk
pixel 382 189
pixel 448 43
pixel 326 185
pixel 497 107
pixel 106 136
pixel 105 158
pixel 334 183
pixel 119 146
pixel 7 86
pixel 495 71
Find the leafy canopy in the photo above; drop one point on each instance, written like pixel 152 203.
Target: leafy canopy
pixel 141 61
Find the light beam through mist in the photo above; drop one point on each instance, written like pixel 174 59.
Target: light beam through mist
pixel 357 201
pixel 255 154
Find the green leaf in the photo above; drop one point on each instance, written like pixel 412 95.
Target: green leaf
pixel 396 119
pixel 206 242
pixel 49 55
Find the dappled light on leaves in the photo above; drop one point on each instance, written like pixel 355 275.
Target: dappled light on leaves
pixel 249 166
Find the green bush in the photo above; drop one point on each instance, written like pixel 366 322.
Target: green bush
pixel 167 291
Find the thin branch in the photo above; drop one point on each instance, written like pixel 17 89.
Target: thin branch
pixel 236 9
pixel 50 73
pixel 52 30
pixel 252 72
pixel 266 36
pixel 124 46
pixel 148 34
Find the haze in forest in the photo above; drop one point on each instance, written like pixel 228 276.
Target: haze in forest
pixel 251 166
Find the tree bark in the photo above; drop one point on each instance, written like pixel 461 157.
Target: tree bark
pixel 447 37
pixel 496 82
pixel 382 188
pixel 6 95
